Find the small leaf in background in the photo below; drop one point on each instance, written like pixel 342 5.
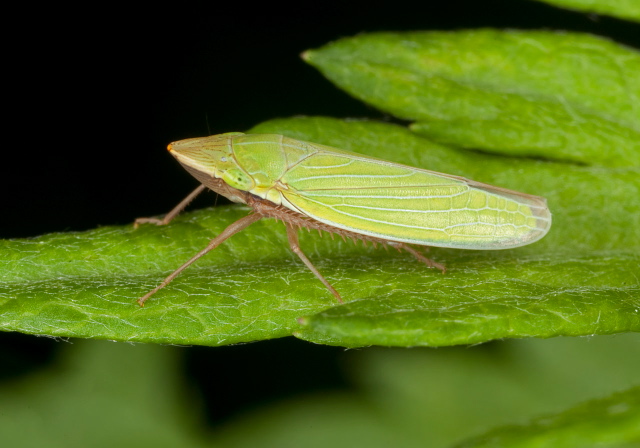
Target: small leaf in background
pixel 606 422
pixel 625 9
pixel 559 96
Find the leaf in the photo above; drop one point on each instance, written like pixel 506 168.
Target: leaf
pixel 559 96
pixel 84 284
pixel 508 298
pixel 580 279
pixel 605 422
pixel 625 9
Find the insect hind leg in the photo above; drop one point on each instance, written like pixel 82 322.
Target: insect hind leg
pixel 429 262
pixel 292 234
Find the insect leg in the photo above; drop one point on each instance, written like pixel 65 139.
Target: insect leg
pixel 292 234
pixel 234 228
pixel 173 213
pixel 420 257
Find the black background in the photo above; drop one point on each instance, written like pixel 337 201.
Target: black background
pixel 92 97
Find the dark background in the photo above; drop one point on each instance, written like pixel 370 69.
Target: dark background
pixel 92 97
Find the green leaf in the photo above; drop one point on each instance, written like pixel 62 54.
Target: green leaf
pixel 607 422
pixel 490 299
pixel 625 9
pixel 559 96
pixel 580 279
pixel 84 284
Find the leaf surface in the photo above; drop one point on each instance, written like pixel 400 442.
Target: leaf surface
pixel 613 421
pixel 625 9
pixel 561 96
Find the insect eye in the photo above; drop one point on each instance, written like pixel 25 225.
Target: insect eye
pixel 237 179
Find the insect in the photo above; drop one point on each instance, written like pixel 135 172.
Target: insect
pixel 314 186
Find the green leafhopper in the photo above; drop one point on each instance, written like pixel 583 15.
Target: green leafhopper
pixel 314 186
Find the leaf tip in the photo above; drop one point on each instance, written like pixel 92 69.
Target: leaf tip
pixel 307 55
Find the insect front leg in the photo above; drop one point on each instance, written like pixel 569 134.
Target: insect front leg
pixel 292 234
pixel 234 228
pixel 173 213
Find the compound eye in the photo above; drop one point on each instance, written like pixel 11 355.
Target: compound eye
pixel 237 179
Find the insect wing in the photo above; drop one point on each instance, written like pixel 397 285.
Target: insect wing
pixel 401 203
